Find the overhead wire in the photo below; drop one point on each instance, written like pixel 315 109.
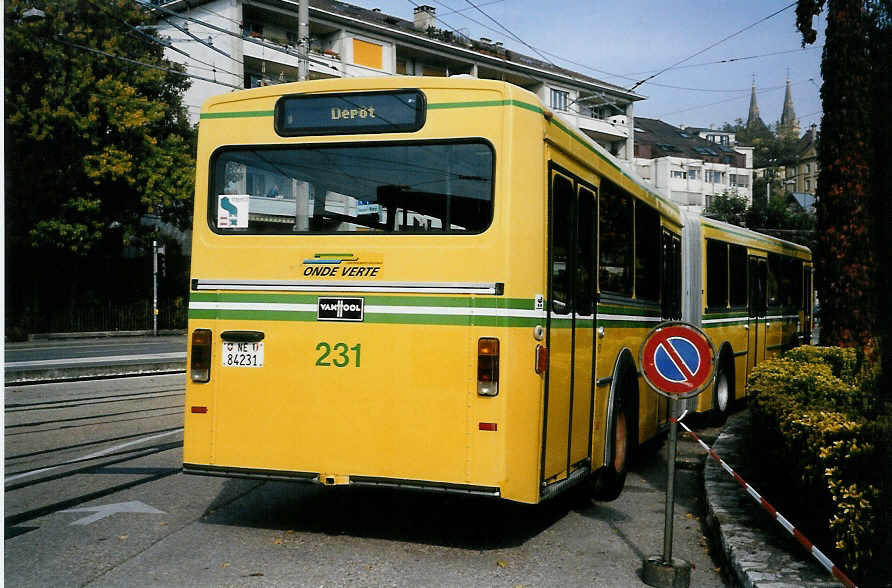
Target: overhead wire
pixel 760 91
pixel 140 63
pixel 719 42
pixel 543 53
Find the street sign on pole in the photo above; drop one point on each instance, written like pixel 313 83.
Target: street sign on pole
pixel 677 361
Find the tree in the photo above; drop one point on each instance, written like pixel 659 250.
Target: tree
pixel 96 137
pixel 91 140
pixel 776 216
pixel 727 207
pixel 769 150
pixel 845 260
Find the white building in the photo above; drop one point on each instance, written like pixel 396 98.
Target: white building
pixel 247 43
pixel 689 168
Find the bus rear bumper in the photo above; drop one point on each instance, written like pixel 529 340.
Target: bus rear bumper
pixel 325 480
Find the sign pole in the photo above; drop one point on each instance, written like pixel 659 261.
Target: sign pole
pixel 678 362
pixel 671 451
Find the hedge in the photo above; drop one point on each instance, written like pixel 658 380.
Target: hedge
pixel 824 436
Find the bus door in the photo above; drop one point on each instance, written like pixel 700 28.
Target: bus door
pixel 758 306
pixel 570 383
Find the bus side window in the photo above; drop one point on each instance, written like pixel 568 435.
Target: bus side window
pixel 585 252
pixel 670 298
pixel 774 278
pixel 737 270
pixel 647 252
pixel 562 231
pixel 716 274
pixel 615 240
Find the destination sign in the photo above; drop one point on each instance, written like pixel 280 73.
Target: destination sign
pixel 398 111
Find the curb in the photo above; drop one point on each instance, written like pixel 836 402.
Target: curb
pixel 758 552
pixel 68 374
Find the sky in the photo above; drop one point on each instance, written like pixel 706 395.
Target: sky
pixel 625 42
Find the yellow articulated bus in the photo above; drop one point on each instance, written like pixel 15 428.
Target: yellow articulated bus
pixel 756 300
pixel 430 283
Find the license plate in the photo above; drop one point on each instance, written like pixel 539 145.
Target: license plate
pixel 242 354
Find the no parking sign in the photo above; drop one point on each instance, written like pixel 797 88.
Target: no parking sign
pixel 677 360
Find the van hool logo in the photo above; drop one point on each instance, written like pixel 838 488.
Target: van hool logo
pixel 340 265
pixel 340 309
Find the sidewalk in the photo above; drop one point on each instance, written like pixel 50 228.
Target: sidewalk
pixel 759 552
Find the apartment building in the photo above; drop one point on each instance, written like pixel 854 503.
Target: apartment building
pixel 803 175
pixel 248 43
pixel 691 165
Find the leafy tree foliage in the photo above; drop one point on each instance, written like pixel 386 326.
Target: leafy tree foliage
pixel 94 142
pixel 769 150
pixel 845 264
pixel 775 216
pixel 727 207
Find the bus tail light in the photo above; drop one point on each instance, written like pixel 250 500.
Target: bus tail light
pixel 201 355
pixel 488 366
pixel 541 359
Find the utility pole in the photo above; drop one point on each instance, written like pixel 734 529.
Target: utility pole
pixel 155 251
pixel 155 287
pixel 303 34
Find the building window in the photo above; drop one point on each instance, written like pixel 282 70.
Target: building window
pixel 559 99
pixel 253 29
pixel 678 174
pixel 692 174
pixel 368 54
pixel 715 177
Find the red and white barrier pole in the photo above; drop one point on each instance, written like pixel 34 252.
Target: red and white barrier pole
pixel 818 555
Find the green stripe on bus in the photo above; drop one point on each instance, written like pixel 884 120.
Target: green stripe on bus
pixel 486 104
pixel 372 318
pixel 721 315
pixel 725 324
pixel 628 310
pixel 244 114
pixel 619 323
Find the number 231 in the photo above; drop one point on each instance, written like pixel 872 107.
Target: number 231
pixel 340 356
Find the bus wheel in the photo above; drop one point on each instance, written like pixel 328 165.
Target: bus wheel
pixel 722 392
pixel 608 481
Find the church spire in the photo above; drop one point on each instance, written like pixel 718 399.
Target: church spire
pixel 788 125
pixel 753 120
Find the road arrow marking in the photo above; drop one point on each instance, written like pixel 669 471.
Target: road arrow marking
pixel 106 510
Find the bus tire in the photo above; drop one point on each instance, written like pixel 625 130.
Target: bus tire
pixel 723 389
pixel 608 481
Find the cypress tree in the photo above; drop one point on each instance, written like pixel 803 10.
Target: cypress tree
pixel 845 257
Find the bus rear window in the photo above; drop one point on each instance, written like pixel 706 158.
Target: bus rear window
pixel 383 188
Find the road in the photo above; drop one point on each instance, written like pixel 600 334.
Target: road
pixel 95 496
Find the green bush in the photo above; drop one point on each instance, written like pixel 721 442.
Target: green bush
pixel 821 430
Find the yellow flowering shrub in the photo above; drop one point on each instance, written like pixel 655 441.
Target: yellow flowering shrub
pixel 814 413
